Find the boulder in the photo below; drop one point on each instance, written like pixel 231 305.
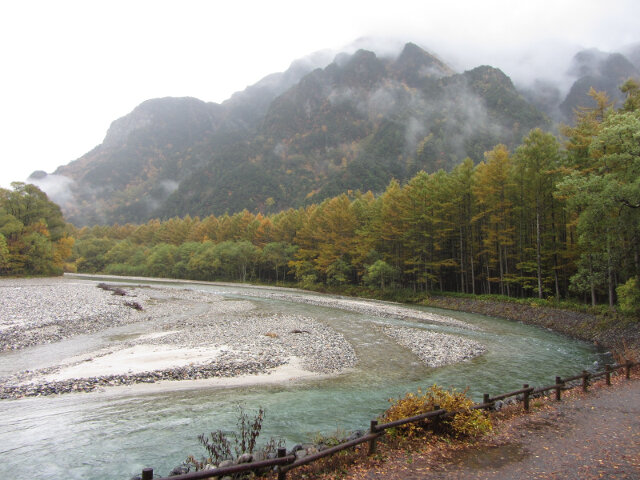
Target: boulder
pixel 180 470
pixel 245 458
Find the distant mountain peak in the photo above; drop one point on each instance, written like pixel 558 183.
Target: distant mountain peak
pixel 167 111
pixel 414 64
pixel 600 70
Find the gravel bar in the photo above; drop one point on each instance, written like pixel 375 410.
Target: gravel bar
pixel 435 349
pixel 371 307
pixel 210 335
pixel 242 340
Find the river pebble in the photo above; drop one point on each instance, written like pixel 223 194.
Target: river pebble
pixel 34 311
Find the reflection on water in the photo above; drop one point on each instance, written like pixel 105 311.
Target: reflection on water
pixel 114 437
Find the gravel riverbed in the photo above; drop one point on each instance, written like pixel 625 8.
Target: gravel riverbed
pixel 179 334
pixel 37 311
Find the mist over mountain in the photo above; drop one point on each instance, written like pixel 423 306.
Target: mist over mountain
pixel 328 124
pixel 601 71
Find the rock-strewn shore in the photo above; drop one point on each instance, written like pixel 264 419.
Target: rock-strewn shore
pixel 228 338
pixel 37 311
pixel 186 334
pixel 435 349
pixel 222 367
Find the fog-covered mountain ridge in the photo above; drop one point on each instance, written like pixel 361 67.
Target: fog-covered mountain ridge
pixel 316 130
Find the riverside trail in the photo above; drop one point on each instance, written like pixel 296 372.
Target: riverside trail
pixel 587 436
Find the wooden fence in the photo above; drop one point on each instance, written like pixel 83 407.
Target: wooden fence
pixel 283 463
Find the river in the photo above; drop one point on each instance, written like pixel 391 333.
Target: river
pixel 109 436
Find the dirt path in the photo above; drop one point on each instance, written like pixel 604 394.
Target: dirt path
pixel 589 436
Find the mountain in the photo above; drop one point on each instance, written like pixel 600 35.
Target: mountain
pixel 295 137
pixel 147 153
pixel 601 71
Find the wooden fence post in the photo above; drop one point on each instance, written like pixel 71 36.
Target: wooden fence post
pixel 607 369
pixel 585 380
pixel 559 385
pixel 147 474
pixel 436 421
pixel 485 399
pixel 282 475
pixel 525 397
pixel 372 442
pixel 627 367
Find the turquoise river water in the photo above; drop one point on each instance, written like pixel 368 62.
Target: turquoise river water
pixel 98 435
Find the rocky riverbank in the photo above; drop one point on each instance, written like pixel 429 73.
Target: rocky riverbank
pixel 620 336
pixel 372 307
pixel 42 310
pixel 177 335
pixel 222 367
pixel 143 335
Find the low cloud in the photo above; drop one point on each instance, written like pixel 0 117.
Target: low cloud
pixel 57 187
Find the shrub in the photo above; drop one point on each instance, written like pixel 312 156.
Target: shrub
pixel 222 446
pixel 465 423
pixel 629 297
pixel 309 282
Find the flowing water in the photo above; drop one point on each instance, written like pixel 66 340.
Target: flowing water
pixel 101 435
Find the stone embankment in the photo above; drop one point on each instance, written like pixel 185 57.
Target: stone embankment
pixel 621 336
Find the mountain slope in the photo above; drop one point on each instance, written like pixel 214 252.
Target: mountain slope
pixel 355 125
pixel 296 137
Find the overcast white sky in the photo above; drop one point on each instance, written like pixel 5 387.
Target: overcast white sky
pixel 69 68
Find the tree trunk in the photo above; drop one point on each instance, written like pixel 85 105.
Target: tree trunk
pixel 538 248
pixel 500 270
pixel 473 273
pixel 488 282
pixel 462 285
pixel 610 276
pixel 593 285
pixel 506 270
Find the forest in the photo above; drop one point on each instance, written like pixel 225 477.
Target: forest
pixel 34 239
pixel 553 219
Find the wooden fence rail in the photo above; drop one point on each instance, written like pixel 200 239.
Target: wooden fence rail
pixel 284 463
